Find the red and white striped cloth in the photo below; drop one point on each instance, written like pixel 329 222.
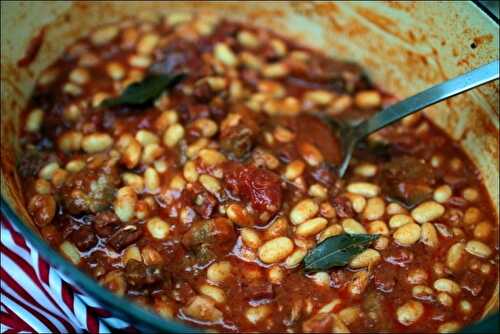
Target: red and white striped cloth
pixel 34 297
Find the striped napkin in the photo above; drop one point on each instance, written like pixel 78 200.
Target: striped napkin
pixel 36 298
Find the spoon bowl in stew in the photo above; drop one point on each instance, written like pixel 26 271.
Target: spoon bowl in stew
pixel 351 135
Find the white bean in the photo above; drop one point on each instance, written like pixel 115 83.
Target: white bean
pixel 408 234
pixel 400 220
pixel 358 202
pixel 470 194
pixel 365 189
pixel 352 226
pixel 104 35
pixel 158 228
pixel 70 141
pixel 366 170
pixel 449 327
pixel 47 172
pixel 203 308
pixel 70 252
pixel 378 227
pixel 218 272
pixel 256 314
pixel 146 137
pixel 275 250
pixel 34 120
pixel 367 258
pixel 427 211
pixel 250 238
pixel 214 292
pixel 429 235
pixel 295 258
pixel 211 157
pixel 410 312
pixel 248 39
pixel 96 142
pixel 210 183
pixel 294 169
pixel 311 154
pixel 455 256
pixel 173 135
pixel 478 248
pixel 447 285
pixel 374 209
pixel 442 193
pixel 311 227
pixel 224 54
pixel 483 230
pixel 125 202
pixel 368 99
pixel 151 180
pixel 303 210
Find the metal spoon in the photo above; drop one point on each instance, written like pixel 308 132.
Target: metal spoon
pixel 351 136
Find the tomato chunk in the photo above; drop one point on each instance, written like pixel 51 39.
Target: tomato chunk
pixel 261 187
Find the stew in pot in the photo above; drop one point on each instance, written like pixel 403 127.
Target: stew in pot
pixel 181 163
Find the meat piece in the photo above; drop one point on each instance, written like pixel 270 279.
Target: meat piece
pixel 105 223
pixel 138 274
pixel 183 292
pixel 455 181
pixel 180 56
pixel 124 237
pixel 400 257
pixel 343 207
pixel 340 76
pixel 238 138
pixel 197 111
pixel 250 77
pixel 154 274
pixel 214 231
pixel 53 104
pixel 384 278
pixel 457 202
pixel 203 93
pixel 453 216
pixel 473 283
pixel 206 240
pixel 204 254
pixel 261 187
pixel 258 290
pixel 32 161
pixel 377 315
pixel 90 190
pixel 312 130
pixel 217 110
pixel 84 238
pixel 339 278
pixel 407 145
pixel 135 273
pixel 42 209
pixel 324 174
pixel 205 204
pixel 238 141
pixel 408 180
pixel 51 234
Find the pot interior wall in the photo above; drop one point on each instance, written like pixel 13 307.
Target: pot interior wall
pixel 405 46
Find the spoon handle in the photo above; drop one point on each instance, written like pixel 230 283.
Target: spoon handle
pixel 435 94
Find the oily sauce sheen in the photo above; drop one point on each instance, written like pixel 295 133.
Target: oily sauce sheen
pixel 191 205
